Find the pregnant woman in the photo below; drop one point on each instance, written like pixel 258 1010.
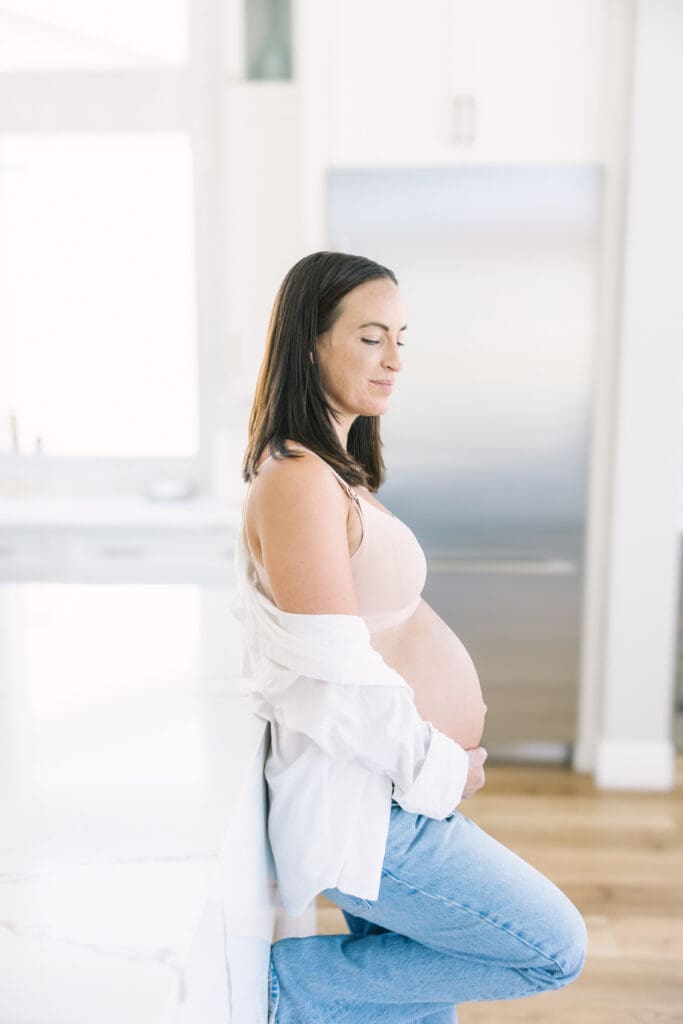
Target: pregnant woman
pixel 375 708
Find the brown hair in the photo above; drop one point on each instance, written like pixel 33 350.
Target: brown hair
pixel 289 401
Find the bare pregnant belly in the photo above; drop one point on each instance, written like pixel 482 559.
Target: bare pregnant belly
pixel 431 659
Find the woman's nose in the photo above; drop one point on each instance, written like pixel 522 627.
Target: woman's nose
pixel 393 358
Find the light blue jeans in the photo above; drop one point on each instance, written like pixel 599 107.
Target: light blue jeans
pixel 459 918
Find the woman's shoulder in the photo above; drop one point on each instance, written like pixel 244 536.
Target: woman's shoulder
pixel 291 483
pixel 269 464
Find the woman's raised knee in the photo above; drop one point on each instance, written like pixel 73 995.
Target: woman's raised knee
pixel 576 956
pixel 571 944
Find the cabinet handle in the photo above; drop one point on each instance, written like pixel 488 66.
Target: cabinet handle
pixel 464 119
pixel 121 551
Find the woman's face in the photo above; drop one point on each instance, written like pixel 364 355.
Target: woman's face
pixel 363 346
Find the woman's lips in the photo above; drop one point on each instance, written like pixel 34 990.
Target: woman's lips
pixel 386 384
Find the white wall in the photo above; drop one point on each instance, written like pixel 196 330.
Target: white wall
pixel 634 744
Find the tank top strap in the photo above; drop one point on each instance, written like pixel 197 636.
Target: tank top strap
pixel 347 487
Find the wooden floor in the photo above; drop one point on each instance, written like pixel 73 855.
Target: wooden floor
pixel 619 858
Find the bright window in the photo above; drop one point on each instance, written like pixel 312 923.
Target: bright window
pixel 97 292
pixel 72 34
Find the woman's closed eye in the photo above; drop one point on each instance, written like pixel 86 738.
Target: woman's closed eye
pixel 375 341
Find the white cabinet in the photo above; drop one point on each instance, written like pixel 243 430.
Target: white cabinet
pixel 154 556
pixel 458 81
pixel 118 555
pixel 388 80
pixel 530 75
pixel 117 538
pixel 29 554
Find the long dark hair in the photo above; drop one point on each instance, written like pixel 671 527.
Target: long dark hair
pixel 289 401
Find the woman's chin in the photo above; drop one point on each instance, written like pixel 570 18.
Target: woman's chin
pixel 373 406
pixel 379 405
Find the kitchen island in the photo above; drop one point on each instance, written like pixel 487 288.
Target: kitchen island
pixel 136 882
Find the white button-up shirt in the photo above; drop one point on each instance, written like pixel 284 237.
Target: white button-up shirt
pixel 345 736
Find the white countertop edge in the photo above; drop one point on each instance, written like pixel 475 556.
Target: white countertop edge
pixel 118 511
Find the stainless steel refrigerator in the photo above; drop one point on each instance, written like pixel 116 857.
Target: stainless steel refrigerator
pixel 486 440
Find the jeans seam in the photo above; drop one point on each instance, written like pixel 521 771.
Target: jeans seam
pixel 273 993
pixel 474 913
pixel 336 1006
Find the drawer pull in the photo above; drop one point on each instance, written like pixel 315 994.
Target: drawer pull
pixel 121 551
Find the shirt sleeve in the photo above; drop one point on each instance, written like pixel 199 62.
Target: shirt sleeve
pixel 380 727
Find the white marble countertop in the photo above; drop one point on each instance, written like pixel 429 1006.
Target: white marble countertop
pixel 116 510
pixel 116 800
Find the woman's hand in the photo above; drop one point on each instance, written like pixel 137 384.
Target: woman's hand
pixel 475 775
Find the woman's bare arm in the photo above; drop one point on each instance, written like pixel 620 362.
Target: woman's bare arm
pixel 300 516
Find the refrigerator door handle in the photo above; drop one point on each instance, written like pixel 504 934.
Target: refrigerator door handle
pixel 505 566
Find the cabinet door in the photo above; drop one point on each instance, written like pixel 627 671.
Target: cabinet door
pixel 458 81
pixel 30 554
pixel 151 555
pixel 389 80
pixel 526 79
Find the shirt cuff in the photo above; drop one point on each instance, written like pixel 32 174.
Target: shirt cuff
pixel 440 782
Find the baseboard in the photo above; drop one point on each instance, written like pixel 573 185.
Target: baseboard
pixel 632 765
pixel 535 751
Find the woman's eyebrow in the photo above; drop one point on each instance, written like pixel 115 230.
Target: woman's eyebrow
pixel 374 323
